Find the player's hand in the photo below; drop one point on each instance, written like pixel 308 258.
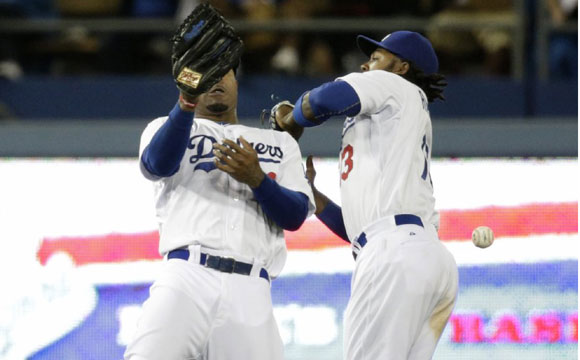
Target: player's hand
pixel 310 171
pixel 187 102
pixel 288 124
pixel 280 119
pixel 241 162
pixel 320 200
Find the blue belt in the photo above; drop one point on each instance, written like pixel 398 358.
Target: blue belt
pixel 223 264
pixel 401 219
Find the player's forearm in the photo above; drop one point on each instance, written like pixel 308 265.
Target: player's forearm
pixel 320 200
pixel 164 153
pixel 289 124
pixel 331 216
pixel 287 208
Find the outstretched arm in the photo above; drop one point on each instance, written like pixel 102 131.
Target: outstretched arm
pixel 164 153
pixel 326 210
pixel 316 106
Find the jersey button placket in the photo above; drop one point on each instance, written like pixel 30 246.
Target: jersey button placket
pixel 231 213
pixel 234 197
pixel 233 208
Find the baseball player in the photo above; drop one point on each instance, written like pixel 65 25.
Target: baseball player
pixel 224 193
pixel 404 285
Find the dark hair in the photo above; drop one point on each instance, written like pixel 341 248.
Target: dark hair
pixel 432 84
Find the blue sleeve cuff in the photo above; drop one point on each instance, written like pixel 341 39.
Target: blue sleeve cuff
pixel 179 118
pixel 287 208
pixel 299 115
pixel 165 150
pixel 329 99
pixel 265 190
pixel 331 216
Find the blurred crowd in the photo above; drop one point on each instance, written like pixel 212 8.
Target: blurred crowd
pixel 313 53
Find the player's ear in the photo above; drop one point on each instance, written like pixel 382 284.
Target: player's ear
pixel 403 68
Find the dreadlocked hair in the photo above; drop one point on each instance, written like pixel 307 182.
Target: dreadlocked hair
pixel 432 84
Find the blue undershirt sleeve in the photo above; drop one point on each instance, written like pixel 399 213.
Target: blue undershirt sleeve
pixel 164 153
pixel 331 216
pixel 287 208
pixel 330 99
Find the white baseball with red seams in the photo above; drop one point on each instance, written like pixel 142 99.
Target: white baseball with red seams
pixel 482 237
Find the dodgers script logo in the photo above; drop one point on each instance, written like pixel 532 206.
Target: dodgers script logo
pixel 202 148
pixel 274 152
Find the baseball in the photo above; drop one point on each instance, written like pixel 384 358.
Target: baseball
pixel 482 237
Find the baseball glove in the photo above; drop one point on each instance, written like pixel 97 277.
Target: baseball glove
pixel 275 116
pixel 205 48
pixel 271 115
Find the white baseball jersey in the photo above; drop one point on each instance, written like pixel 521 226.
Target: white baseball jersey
pixel 386 152
pixel 203 205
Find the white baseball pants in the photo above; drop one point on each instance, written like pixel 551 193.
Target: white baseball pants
pixel 403 290
pixel 198 313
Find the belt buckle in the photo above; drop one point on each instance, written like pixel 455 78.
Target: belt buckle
pixel 227 264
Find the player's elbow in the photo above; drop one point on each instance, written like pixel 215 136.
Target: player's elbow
pixel 293 223
pixel 293 226
pixel 157 168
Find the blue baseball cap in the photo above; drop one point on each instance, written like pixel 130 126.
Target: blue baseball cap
pixel 408 45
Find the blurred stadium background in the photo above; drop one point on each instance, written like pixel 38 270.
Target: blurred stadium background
pixel 79 80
